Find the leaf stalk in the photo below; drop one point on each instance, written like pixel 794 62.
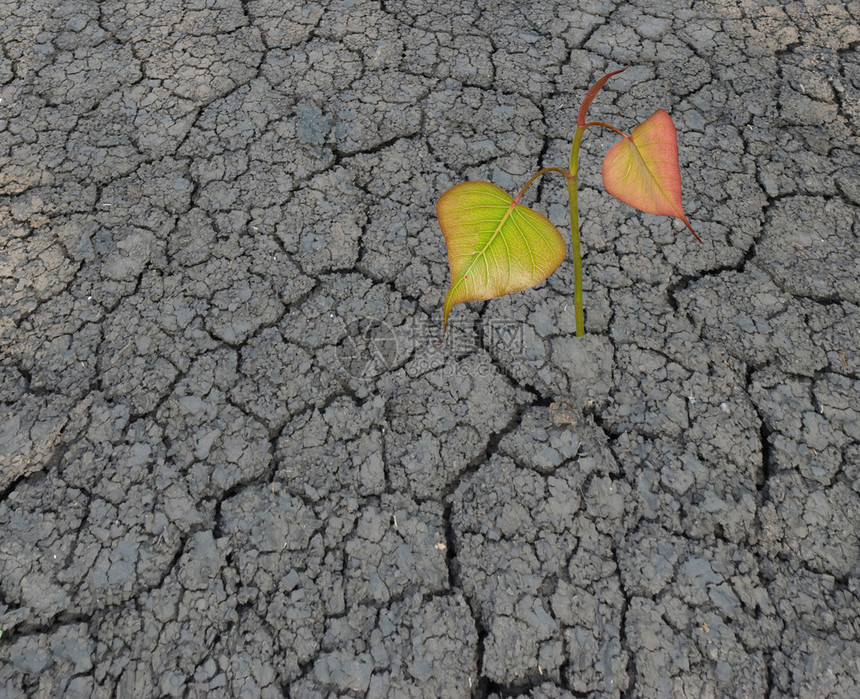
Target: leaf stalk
pixel 607 126
pixel 534 177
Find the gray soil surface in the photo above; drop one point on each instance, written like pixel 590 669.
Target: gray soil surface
pixel 235 459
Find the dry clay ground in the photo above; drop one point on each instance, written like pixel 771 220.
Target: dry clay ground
pixel 234 459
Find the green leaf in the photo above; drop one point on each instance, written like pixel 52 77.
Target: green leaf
pixel 495 245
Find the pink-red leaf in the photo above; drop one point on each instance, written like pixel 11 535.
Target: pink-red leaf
pixel 495 245
pixel 642 169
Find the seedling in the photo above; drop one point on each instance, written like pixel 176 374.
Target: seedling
pixel 497 246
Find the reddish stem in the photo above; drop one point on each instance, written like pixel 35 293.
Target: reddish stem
pixel 592 93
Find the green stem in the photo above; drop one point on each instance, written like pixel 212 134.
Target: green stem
pixel 572 180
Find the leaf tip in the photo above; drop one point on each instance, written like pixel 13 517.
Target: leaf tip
pixel 446 310
pixel 691 230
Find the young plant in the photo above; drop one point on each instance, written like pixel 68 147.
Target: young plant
pixel 497 246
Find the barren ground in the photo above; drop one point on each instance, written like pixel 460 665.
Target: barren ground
pixel 234 457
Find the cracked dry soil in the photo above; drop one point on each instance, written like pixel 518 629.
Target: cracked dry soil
pixel 217 480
